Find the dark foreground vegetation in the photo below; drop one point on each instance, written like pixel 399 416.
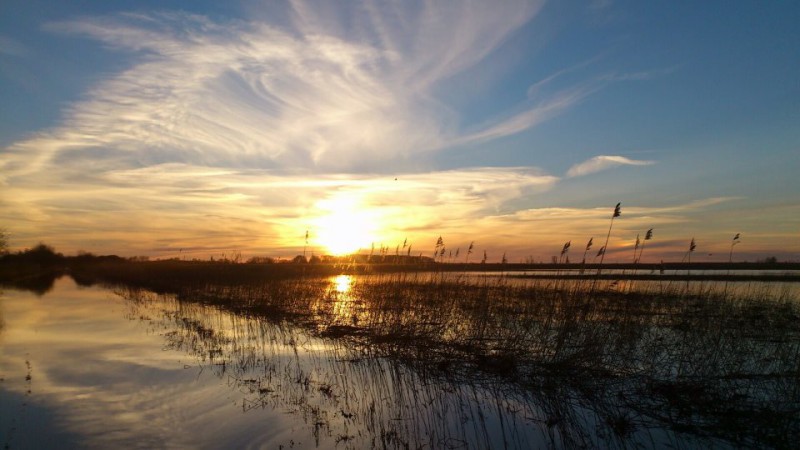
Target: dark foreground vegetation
pixel 711 361
pixel 36 268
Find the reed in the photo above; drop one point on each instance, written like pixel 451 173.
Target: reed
pixel 688 356
pixel 734 241
pixel 617 212
pixel 692 247
pixel 647 236
pixel 602 253
pixel 564 251
pixel 586 249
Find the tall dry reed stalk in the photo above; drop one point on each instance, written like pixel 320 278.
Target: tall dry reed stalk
pixel 585 251
pixel 734 241
pixel 647 237
pixel 602 253
pixel 617 213
pixel 438 248
pixel 692 247
pixel 564 251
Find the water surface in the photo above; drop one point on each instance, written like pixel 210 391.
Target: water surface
pixel 109 368
pixel 81 367
pixel 87 367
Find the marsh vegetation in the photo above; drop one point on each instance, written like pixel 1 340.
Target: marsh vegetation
pixel 694 360
pixel 399 356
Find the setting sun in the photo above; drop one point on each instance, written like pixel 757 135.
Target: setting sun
pixel 344 226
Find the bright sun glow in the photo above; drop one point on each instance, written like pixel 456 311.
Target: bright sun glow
pixel 342 283
pixel 344 226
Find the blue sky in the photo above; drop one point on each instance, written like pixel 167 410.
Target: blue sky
pixel 208 127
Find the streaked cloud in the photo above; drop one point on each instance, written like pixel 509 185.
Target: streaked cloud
pixel 231 134
pixel 225 134
pixel 161 209
pixel 12 47
pixel 603 162
pixel 314 93
pixel 529 118
pixel 642 75
pixel 535 89
pixel 546 229
pixel 176 209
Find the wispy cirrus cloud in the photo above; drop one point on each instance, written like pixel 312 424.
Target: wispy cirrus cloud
pixel 641 75
pixel 12 47
pixel 251 124
pixel 529 118
pixel 603 162
pixel 346 89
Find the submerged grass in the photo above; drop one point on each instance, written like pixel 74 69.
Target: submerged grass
pixel 712 362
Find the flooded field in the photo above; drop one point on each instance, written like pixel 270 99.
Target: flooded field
pixel 401 361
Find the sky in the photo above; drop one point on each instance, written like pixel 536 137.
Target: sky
pixel 205 128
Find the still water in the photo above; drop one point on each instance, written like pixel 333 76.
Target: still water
pixel 86 367
pixel 90 367
pixel 81 367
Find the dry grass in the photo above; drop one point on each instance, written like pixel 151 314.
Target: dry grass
pixel 697 360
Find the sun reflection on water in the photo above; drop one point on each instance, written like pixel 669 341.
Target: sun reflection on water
pixel 343 283
pixel 343 306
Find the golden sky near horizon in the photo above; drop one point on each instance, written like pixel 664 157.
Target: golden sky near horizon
pixel 194 130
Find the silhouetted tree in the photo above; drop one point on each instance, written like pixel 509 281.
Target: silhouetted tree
pixel 42 254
